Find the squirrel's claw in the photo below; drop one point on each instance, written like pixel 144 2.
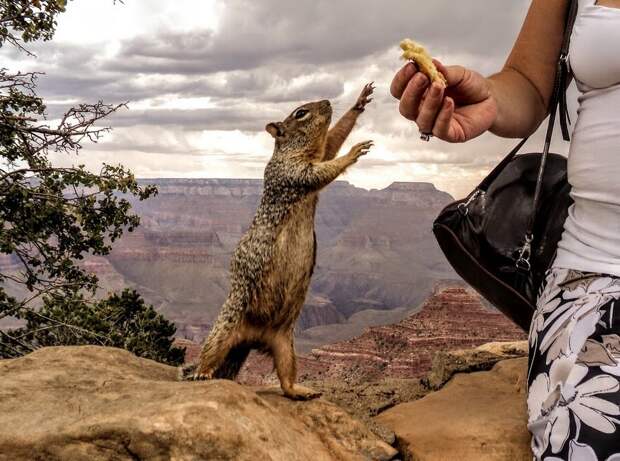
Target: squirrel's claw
pixel 361 148
pixel 191 373
pixel 200 377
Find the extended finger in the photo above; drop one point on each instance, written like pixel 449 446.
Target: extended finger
pixel 441 129
pixel 401 79
pixel 412 96
pixel 429 108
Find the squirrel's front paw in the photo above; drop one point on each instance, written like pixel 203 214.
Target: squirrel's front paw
pixel 364 97
pixel 360 149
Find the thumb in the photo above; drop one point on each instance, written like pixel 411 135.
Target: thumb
pixel 453 74
pixel 440 67
pixel 464 84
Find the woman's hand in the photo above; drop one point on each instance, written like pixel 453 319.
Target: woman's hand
pixel 458 113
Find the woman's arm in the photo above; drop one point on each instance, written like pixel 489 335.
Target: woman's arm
pixel 511 103
pixel 522 89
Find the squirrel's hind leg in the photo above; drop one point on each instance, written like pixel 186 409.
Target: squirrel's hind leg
pixel 283 351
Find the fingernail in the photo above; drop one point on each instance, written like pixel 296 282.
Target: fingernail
pixel 436 89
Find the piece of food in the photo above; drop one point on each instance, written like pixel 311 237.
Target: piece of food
pixel 415 52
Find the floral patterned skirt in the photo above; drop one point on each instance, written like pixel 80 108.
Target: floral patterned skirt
pixel 574 370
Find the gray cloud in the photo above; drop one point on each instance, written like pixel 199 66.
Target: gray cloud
pixel 196 119
pixel 266 57
pixel 258 43
pixel 254 34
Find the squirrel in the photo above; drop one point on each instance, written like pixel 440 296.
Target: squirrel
pixel 272 265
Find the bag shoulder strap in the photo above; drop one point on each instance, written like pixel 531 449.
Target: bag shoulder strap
pixel 559 94
pixel 557 98
pixel 486 182
pixel 573 9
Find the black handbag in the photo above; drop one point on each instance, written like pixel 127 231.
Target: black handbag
pixel 502 237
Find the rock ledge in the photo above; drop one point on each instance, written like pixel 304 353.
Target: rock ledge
pixel 95 403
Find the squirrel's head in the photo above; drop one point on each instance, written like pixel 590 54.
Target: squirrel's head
pixel 305 129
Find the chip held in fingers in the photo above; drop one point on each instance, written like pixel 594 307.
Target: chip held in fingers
pixel 417 53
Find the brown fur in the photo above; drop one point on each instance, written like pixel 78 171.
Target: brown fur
pixel 272 266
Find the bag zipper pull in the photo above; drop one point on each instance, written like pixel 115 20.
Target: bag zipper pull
pixel 523 262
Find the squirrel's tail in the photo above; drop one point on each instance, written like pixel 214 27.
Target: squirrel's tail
pixel 229 369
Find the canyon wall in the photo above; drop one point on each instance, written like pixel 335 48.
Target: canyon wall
pixel 377 258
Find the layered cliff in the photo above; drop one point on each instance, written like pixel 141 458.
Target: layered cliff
pixel 376 259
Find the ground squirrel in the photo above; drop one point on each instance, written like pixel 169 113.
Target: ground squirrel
pixel 272 265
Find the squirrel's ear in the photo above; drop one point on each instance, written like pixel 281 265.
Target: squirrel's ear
pixel 275 129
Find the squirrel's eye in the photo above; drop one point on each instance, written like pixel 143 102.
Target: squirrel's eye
pixel 300 113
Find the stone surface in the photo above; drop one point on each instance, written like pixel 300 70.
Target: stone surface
pixel 77 403
pixel 476 417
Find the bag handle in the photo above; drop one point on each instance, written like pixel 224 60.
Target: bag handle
pixel 573 8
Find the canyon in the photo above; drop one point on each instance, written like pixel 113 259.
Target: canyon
pixel 377 258
pixel 377 265
pixel 375 336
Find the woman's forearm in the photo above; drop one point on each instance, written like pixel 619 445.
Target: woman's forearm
pixel 520 106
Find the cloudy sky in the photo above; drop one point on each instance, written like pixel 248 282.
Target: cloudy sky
pixel 203 77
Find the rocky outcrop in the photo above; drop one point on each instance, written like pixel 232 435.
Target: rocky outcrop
pixel 475 417
pixel 446 364
pixel 388 396
pixel 77 403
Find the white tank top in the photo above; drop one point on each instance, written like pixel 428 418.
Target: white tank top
pixel 591 238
